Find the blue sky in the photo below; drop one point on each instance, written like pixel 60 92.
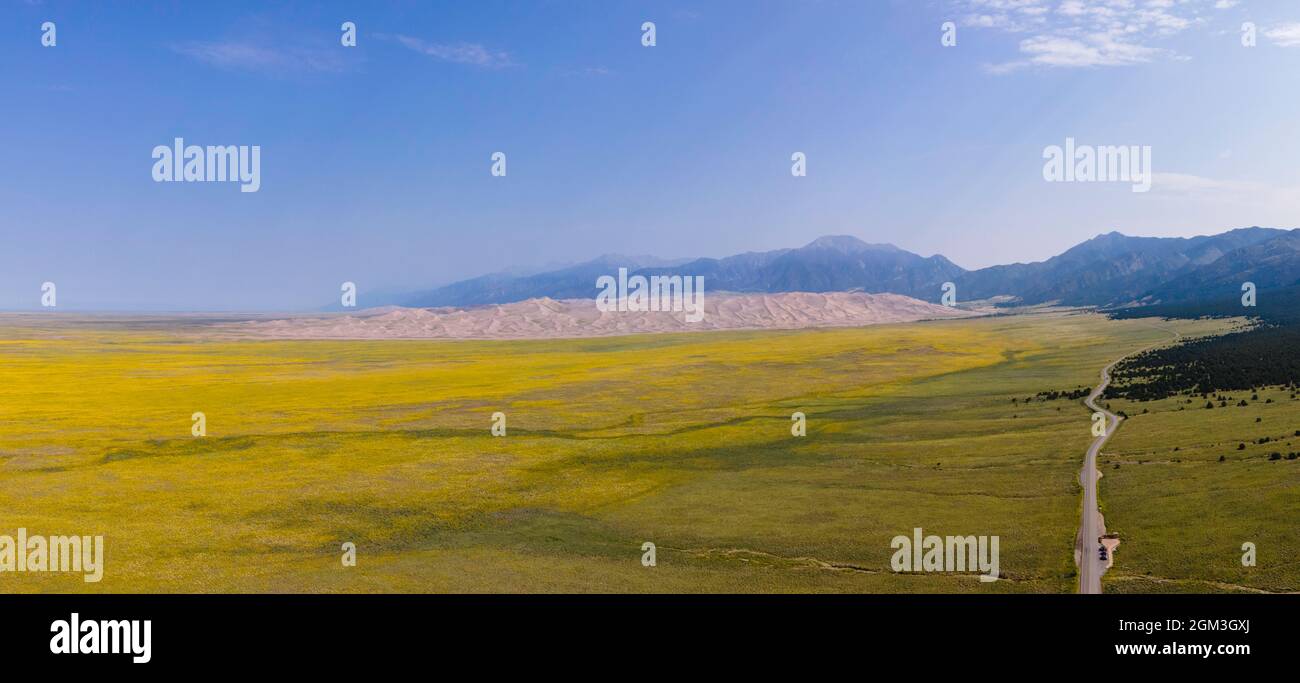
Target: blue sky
pixel 375 159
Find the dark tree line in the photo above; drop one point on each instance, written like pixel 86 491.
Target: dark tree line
pixel 1267 354
pixel 1070 394
pixel 1073 394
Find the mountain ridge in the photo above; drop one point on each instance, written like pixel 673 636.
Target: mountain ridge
pixel 1108 270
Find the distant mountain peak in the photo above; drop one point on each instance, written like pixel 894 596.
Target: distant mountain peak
pixel 1109 269
pixel 634 261
pixel 1108 238
pixel 847 244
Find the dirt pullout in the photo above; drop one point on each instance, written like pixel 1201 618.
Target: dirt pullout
pixel 551 318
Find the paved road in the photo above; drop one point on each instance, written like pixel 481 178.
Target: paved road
pixel 1091 527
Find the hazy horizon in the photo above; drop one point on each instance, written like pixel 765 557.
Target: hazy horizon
pixel 375 159
pixel 384 295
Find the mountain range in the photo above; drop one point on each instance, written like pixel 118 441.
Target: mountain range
pixel 1109 270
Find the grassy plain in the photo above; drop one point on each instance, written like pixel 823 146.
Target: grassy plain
pixel 682 440
pixel 1184 515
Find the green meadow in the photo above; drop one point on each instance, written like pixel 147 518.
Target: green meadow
pixel 1186 487
pixel 681 440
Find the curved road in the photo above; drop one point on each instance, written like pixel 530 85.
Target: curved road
pixel 1092 526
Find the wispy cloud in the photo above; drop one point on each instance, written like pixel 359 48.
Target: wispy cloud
pixel 1285 35
pixel 262 58
pixel 1087 33
pixel 1187 184
pixel 1249 193
pixel 473 54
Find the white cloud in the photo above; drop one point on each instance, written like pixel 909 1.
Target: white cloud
pixel 1086 33
pixel 1285 35
pixel 1259 195
pixel 256 57
pixel 457 53
pixel 1186 184
pixel 1096 50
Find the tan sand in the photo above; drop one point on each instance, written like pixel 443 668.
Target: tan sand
pixel 550 318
